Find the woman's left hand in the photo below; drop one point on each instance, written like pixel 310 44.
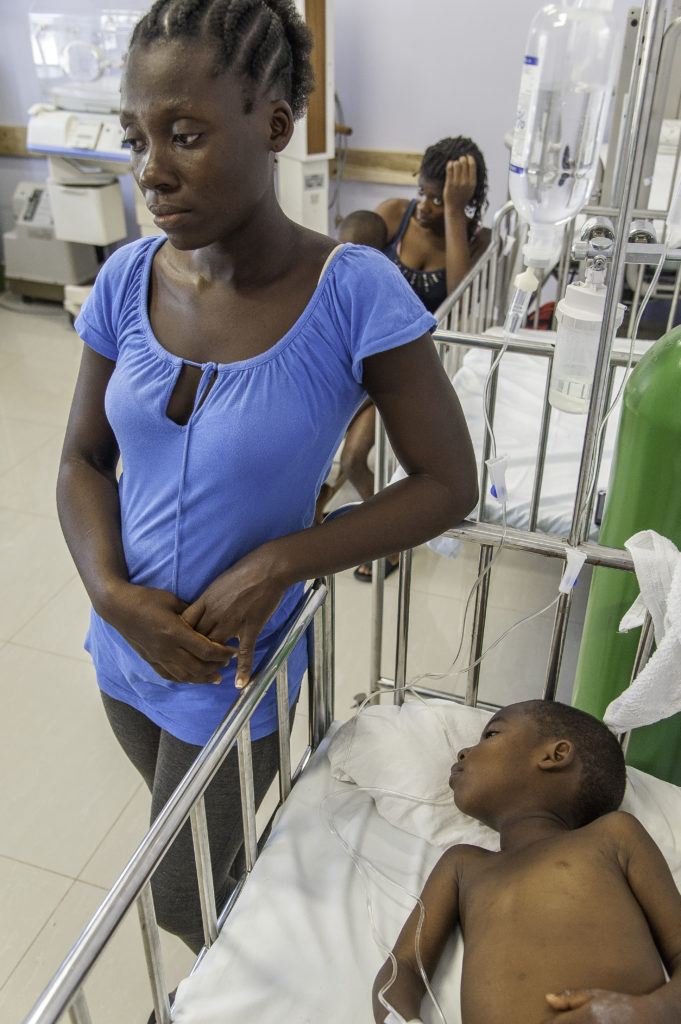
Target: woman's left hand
pixel 596 1005
pixel 238 604
pixel 460 182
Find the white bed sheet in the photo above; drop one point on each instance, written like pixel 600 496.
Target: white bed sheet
pixel 298 947
pixel 519 406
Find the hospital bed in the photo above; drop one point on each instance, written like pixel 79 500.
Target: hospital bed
pixel 552 455
pixel 294 943
pixel 547 472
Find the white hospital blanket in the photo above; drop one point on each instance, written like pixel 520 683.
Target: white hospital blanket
pixel 298 948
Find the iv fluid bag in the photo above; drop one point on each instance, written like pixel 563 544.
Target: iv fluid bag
pixel 562 108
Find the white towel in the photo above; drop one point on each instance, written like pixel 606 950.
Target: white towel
pixel 656 692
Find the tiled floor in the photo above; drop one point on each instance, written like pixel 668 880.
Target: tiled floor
pixel 71 806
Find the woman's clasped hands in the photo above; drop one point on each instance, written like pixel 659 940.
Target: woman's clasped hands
pixel 186 643
pixel 238 604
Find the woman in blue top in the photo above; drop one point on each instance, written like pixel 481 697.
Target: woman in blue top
pixel 221 366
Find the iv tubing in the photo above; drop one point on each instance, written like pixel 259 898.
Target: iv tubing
pixel 357 858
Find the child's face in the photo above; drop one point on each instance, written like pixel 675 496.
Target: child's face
pixel 500 767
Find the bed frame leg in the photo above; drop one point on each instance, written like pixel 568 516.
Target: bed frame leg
pixel 152 952
pixel 403 596
pixel 247 796
pixel 204 872
pixel 479 617
pixel 560 624
pixel 78 1010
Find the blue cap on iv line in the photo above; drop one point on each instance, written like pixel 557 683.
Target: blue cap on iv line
pixel 497 472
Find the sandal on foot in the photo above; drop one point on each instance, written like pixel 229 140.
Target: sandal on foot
pixel 366 575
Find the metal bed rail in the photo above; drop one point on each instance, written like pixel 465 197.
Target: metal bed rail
pixel 65 992
pixel 473 306
pixel 483 531
pixel 459 310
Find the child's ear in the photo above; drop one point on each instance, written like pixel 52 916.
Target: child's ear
pixel 557 755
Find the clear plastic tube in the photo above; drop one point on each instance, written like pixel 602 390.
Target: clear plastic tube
pixel 359 861
pixel 525 285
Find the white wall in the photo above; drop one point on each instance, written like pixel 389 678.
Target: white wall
pixel 407 73
pixel 411 73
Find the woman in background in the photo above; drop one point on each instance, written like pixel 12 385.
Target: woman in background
pixel 434 240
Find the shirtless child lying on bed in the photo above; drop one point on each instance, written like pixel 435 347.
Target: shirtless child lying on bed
pixel 574 918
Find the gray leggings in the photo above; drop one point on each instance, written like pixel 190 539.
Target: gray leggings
pixel 162 760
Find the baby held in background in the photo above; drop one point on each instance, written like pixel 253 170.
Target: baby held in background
pixel 576 917
pixel 364 227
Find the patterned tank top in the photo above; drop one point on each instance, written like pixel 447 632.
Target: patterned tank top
pixel 429 285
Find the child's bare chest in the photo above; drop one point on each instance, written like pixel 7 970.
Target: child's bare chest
pixel 565 918
pixel 529 888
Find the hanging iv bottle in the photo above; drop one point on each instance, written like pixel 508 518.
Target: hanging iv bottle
pixel 565 88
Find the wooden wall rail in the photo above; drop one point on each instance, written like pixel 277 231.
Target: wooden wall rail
pixel 385 167
pixel 382 166
pixel 13 140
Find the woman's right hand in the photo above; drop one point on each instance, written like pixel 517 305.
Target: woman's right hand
pixel 460 182
pixel 150 620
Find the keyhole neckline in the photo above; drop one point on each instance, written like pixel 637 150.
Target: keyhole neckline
pixel 204 388
pixel 270 353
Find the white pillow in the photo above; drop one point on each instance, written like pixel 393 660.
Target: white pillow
pixel 409 750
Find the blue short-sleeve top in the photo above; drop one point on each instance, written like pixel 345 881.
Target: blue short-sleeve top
pixel 246 467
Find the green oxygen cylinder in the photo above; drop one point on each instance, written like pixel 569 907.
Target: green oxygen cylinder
pixel 644 493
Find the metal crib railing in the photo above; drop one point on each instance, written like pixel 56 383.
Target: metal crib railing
pixel 635 255
pixel 463 318
pixel 475 303
pixel 473 306
pixel 65 992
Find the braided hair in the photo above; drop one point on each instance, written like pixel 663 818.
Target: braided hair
pixel 266 42
pixel 434 168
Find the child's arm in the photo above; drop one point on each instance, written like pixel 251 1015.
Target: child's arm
pixel 441 901
pixel 652 884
